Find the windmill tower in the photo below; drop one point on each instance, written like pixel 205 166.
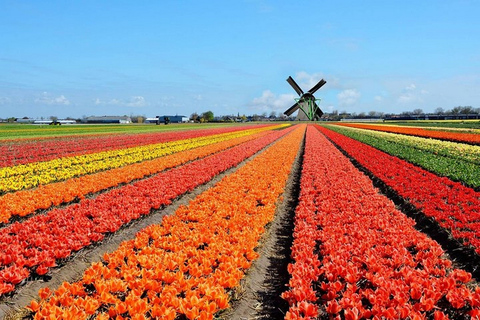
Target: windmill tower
pixel 307 103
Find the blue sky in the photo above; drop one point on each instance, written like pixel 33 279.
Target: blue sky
pixel 81 58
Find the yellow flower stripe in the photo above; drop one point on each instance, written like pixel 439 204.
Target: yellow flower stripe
pixel 451 149
pixel 40 173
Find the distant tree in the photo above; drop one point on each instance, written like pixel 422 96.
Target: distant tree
pixel 54 118
pixel 137 118
pixel 417 111
pixel 194 117
pixel 439 111
pixel 207 116
pixel 463 110
pixel 273 115
pixel 467 110
pixel 375 114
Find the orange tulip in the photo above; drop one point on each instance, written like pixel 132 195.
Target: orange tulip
pixel 34 306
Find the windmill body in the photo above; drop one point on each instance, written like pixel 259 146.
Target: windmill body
pixel 306 104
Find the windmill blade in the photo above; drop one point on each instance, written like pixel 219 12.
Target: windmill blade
pixel 318 111
pixel 317 86
pixel 295 86
pixel 292 109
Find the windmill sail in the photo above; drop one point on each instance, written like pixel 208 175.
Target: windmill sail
pixel 306 104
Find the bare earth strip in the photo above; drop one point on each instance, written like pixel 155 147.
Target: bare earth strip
pixel 259 294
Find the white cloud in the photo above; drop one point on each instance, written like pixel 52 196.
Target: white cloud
pixel 134 101
pixel 47 98
pixel 410 94
pixel 349 44
pixel 378 98
pixel 306 81
pixel 348 97
pixel 406 97
pixel 4 100
pixel 272 102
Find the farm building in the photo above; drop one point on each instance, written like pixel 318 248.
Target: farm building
pixel 108 119
pixel 173 119
pixel 48 121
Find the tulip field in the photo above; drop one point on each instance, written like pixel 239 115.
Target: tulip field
pixel 382 222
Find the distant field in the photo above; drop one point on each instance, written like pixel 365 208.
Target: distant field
pixel 19 131
pixel 468 124
pixel 210 221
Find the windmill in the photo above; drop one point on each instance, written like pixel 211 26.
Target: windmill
pixel 307 103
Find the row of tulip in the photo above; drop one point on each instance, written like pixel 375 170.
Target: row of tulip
pixel 40 173
pixel 21 151
pixel 358 257
pixel 454 206
pixel 185 267
pixel 36 244
pixel 25 202
pixel 456 150
pixel 437 134
pixel 458 161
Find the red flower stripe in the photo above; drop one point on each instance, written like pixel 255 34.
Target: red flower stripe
pixel 454 206
pixel 22 152
pixel 357 257
pixel 25 202
pixel 185 267
pixel 37 243
pixel 443 135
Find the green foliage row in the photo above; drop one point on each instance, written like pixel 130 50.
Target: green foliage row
pixel 453 167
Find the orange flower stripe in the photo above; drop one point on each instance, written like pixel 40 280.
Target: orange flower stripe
pixel 186 266
pixel 436 134
pixel 40 173
pixel 25 202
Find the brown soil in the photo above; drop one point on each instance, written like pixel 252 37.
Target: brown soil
pixel 259 294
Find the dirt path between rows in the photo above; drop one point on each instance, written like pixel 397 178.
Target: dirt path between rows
pixel 259 295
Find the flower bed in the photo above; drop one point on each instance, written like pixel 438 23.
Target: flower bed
pixel 25 202
pixel 454 206
pixel 21 151
pixel 444 135
pixel 357 257
pixel 458 161
pixel 185 267
pixel 40 173
pixel 35 245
